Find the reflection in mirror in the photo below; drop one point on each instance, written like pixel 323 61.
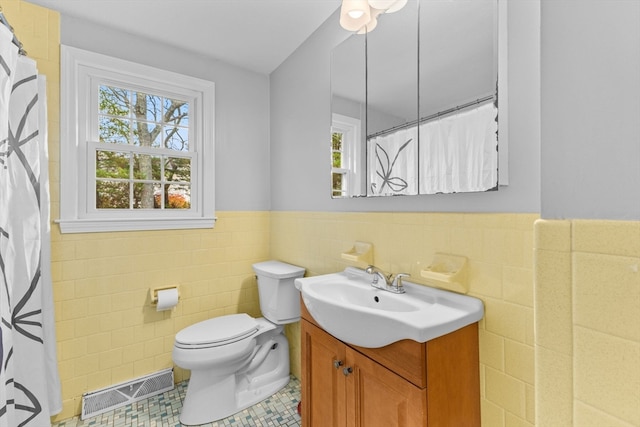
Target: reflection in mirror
pixel 458 69
pixel 418 78
pixel 392 103
pixel 348 121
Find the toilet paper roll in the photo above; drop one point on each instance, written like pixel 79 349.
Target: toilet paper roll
pixel 167 299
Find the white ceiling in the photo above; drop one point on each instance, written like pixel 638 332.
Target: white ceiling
pixel 254 34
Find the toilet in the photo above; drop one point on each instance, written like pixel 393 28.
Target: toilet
pixel 237 360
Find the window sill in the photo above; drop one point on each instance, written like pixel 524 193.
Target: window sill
pixel 129 224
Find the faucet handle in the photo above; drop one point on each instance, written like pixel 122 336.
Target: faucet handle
pixel 397 282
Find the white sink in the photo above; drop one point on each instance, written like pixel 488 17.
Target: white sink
pixel 349 308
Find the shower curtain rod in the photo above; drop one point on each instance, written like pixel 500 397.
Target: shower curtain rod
pixel 15 40
pixel 432 116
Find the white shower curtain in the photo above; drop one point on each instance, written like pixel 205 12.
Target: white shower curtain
pixel 29 382
pixel 392 163
pixel 458 153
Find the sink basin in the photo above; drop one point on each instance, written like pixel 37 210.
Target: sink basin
pixel 349 308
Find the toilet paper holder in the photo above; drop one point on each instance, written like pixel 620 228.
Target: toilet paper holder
pixel 154 293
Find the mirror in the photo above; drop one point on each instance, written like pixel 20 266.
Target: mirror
pixel 458 81
pixel 392 103
pixel 397 76
pixel 348 117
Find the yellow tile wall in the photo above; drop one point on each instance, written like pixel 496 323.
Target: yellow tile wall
pixel 587 299
pixel 500 252
pixel 107 330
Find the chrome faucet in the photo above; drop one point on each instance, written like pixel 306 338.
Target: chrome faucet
pixel 397 283
pixel 378 274
pixel 387 284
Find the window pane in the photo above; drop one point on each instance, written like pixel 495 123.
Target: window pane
pixel 144 195
pixel 337 181
pixel 176 112
pixel 147 107
pixel 114 131
pixel 177 196
pixel 177 169
pixel 176 138
pixel 336 141
pixel 147 134
pixel 112 195
pixel 337 159
pixel 110 164
pixel 146 167
pixel 114 101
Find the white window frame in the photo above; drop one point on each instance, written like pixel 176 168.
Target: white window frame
pixel 350 128
pixel 81 73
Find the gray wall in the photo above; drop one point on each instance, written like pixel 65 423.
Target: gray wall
pixel 300 122
pixel 241 108
pixel 591 109
pixel 574 117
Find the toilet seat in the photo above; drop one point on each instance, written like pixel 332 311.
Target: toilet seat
pixel 217 332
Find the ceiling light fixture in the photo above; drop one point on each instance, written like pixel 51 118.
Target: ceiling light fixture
pixel 354 14
pixel 389 6
pixel 361 16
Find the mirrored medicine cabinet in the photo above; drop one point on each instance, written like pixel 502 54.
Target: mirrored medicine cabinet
pixel 414 102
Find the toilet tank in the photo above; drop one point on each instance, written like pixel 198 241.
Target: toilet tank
pixel 279 298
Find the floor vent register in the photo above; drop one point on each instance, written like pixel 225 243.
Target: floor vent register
pixel 112 397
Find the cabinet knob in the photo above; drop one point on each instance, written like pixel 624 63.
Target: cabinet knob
pixel 346 371
pixel 337 364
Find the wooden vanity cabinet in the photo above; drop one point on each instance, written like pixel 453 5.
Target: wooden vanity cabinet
pixel 405 384
pixel 324 392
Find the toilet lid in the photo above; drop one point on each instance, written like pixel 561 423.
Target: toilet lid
pixel 218 331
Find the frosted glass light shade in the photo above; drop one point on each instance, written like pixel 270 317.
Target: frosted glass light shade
pixel 354 14
pixel 389 6
pixel 381 4
pixel 369 26
pixel 373 22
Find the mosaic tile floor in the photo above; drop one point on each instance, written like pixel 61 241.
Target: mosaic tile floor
pixel 163 410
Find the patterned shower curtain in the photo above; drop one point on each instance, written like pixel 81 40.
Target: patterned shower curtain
pixel 29 382
pixel 392 163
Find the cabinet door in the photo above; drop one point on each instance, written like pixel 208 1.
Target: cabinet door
pixel 323 380
pixel 380 398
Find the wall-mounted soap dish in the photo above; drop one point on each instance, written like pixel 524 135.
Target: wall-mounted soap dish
pixel 362 252
pixel 448 272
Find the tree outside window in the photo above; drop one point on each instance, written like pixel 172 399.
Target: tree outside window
pixel 346 163
pixel 138 163
pixel 338 174
pixel 137 148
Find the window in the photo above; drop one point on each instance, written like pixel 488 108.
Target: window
pixel 345 152
pixel 140 156
pixel 338 172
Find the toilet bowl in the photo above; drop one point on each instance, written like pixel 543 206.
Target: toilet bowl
pixel 236 360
